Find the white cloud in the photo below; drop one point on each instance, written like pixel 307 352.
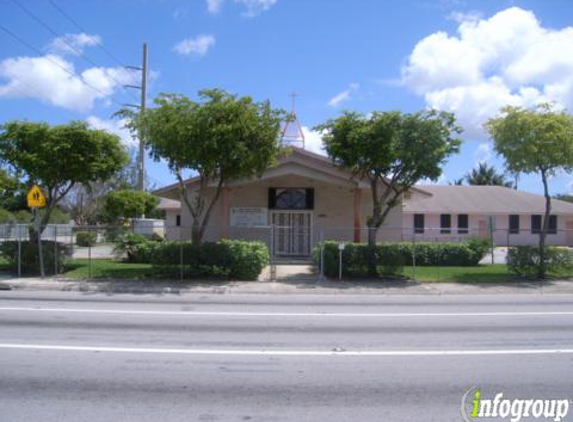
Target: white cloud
pixel 343 96
pixel 460 17
pixel 73 43
pixel 214 6
pixel 252 7
pixel 483 152
pixel 116 127
pixel 506 59
pixel 44 78
pixel 199 45
pixel 313 141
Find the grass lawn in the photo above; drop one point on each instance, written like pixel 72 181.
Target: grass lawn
pixel 496 273
pixel 4 266
pixel 107 268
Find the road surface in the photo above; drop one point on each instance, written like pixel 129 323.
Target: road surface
pixel 93 357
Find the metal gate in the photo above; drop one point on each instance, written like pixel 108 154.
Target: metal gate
pixel 292 233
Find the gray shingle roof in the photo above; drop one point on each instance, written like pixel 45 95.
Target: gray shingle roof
pixel 168 204
pixel 482 200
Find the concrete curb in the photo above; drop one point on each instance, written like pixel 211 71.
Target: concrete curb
pixel 302 287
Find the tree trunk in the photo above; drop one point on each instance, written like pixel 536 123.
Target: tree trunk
pixel 542 270
pixel 196 233
pixel 372 233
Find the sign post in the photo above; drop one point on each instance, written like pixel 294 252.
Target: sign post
pixel 36 199
pixel 340 249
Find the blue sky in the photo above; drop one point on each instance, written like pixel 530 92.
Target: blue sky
pixel 465 56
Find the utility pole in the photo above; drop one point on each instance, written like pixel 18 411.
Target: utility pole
pixel 141 161
pixel 141 107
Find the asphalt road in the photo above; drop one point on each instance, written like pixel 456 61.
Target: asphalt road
pixel 77 357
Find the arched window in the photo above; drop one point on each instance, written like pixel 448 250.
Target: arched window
pixel 288 199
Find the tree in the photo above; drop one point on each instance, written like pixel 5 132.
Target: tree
pixel 12 191
pixel 539 141
pixel 393 151
pixel 59 157
pixel 456 182
pixel 84 202
pixel 220 138
pixel 564 197
pixel 128 204
pixel 486 175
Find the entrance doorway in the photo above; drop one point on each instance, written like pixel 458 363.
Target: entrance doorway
pixel 292 233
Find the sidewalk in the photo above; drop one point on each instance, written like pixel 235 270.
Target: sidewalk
pixel 285 287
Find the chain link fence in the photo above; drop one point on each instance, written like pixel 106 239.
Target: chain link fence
pixel 295 251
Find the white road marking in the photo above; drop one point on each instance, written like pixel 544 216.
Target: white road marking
pixel 364 353
pixel 291 314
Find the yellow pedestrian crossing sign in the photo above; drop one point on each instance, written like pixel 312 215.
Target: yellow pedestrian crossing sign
pixel 36 197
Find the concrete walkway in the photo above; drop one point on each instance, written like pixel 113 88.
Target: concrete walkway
pixel 324 287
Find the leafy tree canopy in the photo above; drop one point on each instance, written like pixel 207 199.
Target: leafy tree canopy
pixel 485 175
pixel 221 137
pixel 128 203
pixel 534 140
pixel 59 157
pixel 393 151
pixel 540 141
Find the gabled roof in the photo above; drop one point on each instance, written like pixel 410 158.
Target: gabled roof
pixel 299 159
pixel 482 200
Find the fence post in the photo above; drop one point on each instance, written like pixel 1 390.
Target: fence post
pixel 491 242
pixel 340 249
pixel 322 254
pixel 89 260
pixel 55 250
pixel 414 257
pixel 180 259
pixel 19 250
pixel 273 249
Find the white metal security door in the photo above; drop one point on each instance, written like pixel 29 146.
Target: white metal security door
pixel 292 232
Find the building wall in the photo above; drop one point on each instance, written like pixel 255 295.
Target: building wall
pixel 172 231
pixel 478 228
pixel 332 217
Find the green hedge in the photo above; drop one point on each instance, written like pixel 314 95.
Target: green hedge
pixel 86 238
pixel 390 258
pixel 231 259
pixel 30 263
pixel 524 261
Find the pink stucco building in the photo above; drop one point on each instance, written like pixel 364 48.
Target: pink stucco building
pixel 306 198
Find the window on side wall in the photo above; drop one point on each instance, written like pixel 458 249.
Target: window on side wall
pixel 445 223
pixel 463 223
pixel 178 220
pixel 514 224
pixel 535 224
pixel 419 223
pixel 552 225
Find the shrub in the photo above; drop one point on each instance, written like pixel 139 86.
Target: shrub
pixel 524 260
pixel 391 257
pixel 247 259
pixel 86 238
pixel 127 243
pixel 30 263
pixel 6 217
pixel 227 259
pixel 156 237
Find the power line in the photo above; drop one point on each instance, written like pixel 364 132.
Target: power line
pixel 94 40
pixel 58 35
pixel 93 88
